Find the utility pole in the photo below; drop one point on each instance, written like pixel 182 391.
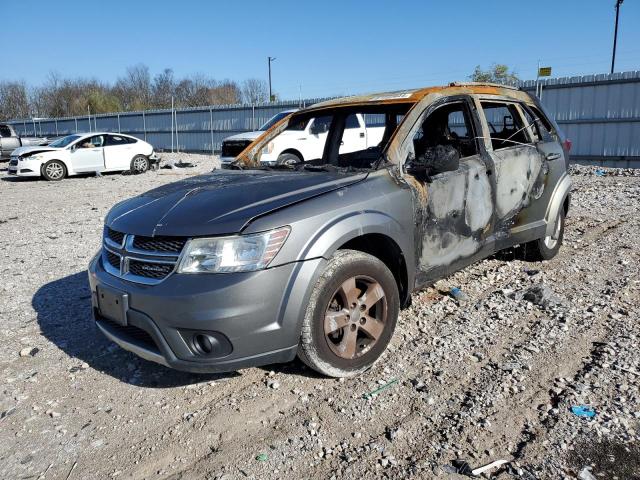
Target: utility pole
pixel 615 35
pixel 270 59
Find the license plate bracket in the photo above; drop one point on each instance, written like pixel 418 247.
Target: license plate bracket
pixel 113 304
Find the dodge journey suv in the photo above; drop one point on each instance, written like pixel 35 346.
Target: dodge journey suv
pixel 255 264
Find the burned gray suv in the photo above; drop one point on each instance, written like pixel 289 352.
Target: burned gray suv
pixel 256 263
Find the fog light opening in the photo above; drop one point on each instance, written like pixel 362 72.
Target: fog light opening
pixel 203 343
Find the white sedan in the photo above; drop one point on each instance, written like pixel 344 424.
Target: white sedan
pixel 82 153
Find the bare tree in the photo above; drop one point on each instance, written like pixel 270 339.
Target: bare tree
pixel 63 97
pixel 255 91
pixel 163 88
pixel 226 92
pixel 135 88
pixel 14 102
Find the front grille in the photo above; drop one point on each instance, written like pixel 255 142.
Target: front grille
pixel 115 237
pixel 159 244
pixel 113 259
pixel 150 270
pixel 131 334
pixel 13 162
pixel 232 148
pixel 147 260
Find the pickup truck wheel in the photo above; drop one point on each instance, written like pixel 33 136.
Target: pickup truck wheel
pixel 288 159
pixel 139 164
pixel 54 170
pixel 547 247
pixel 351 315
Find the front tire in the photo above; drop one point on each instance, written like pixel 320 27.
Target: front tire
pixel 547 247
pixel 139 164
pixel 288 159
pixel 54 170
pixel 351 315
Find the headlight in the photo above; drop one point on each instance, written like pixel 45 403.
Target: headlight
pixel 242 253
pixel 268 149
pixel 31 157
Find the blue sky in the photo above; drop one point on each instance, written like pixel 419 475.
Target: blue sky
pixel 326 47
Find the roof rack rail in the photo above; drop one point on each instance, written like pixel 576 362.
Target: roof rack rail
pixel 482 84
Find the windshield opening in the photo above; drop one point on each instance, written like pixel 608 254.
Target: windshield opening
pixel 273 120
pixel 343 137
pixel 64 141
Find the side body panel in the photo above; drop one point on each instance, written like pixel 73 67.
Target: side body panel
pixel 87 159
pixel 118 157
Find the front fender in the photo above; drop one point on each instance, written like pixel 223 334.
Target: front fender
pixel 342 229
pixel 563 187
pixel 66 162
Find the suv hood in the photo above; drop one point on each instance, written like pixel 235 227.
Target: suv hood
pixel 22 151
pixel 245 136
pixel 220 203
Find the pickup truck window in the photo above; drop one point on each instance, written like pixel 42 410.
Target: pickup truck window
pixel 298 124
pixel 273 120
pixel 352 122
pixel 5 131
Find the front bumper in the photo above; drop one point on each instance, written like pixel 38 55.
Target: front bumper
pixel 255 315
pixel 24 168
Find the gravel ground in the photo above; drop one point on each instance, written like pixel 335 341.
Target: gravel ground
pixel 492 378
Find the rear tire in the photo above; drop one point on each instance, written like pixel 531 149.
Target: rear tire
pixel 139 164
pixel 288 159
pixel 351 315
pixel 547 247
pixel 54 170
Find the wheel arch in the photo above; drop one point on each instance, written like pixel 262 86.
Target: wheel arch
pixel 294 152
pixel 560 198
pixel 374 233
pixel 385 249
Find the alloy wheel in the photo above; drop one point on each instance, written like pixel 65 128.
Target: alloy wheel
pixel 54 170
pixel 140 164
pixel 355 317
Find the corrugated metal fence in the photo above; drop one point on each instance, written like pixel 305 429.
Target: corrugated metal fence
pixel 599 113
pixel 198 129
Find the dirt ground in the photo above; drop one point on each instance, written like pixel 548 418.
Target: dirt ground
pixel 492 378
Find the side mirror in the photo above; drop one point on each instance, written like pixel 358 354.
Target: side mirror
pixel 442 158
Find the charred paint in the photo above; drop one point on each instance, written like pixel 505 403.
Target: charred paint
pixel 459 211
pixel 460 215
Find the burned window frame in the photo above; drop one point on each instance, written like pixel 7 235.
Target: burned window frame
pixel 505 101
pixel 545 127
pixel 250 157
pixel 431 107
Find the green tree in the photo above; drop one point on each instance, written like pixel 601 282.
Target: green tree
pixel 497 73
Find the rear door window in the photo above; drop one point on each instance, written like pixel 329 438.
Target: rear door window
pixel 113 140
pixel 542 119
pixel 506 127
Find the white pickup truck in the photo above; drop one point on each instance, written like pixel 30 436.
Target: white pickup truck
pixel 305 140
pixel 9 141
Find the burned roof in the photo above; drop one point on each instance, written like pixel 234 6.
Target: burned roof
pixel 415 95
